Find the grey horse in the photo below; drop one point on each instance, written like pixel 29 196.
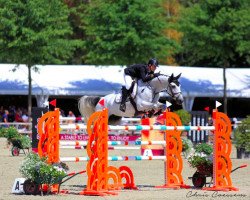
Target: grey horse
pixel 146 99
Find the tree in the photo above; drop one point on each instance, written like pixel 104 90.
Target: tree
pixel 76 19
pixel 172 8
pixel 216 33
pixel 125 32
pixel 35 32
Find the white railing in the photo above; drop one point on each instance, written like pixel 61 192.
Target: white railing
pixel 26 127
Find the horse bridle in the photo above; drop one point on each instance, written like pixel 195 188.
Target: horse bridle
pixel 172 94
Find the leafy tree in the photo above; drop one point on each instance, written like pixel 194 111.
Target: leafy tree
pixel 188 3
pixel 76 19
pixel 125 31
pixel 35 32
pixel 216 33
pixel 172 9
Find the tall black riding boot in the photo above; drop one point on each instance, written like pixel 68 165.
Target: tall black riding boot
pixel 125 94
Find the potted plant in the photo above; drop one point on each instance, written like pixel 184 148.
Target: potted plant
pixel 242 138
pixel 201 158
pixel 17 140
pixel 11 133
pixel 38 172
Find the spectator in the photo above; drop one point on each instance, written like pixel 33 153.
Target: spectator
pixel 234 123
pixel 18 116
pixel 71 114
pixel 11 117
pixel 71 121
pixel 5 118
pixel 25 116
pixel 234 126
pixel 62 113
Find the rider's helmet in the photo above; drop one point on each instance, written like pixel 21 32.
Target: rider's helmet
pixel 153 61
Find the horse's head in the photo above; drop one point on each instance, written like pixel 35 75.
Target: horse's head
pixel 174 89
pixel 170 84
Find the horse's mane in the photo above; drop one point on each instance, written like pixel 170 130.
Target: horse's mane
pixel 172 79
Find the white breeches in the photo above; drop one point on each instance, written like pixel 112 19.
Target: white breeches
pixel 128 81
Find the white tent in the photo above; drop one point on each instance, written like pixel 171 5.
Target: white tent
pixel 80 80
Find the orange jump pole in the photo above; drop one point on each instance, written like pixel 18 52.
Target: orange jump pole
pixel 48 133
pixel 48 145
pixel 222 164
pixel 97 150
pixel 173 163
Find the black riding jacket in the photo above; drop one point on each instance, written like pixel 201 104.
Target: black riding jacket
pixel 139 71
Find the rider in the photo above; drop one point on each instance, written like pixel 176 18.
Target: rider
pixel 138 71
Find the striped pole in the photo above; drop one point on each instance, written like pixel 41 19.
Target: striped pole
pixel 82 119
pixel 161 128
pixel 142 127
pixel 110 147
pixel 114 158
pixel 113 143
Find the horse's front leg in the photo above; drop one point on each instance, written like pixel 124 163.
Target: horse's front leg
pixel 159 108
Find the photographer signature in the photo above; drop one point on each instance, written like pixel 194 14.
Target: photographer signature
pixel 214 194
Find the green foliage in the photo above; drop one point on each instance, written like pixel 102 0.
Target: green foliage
pixel 25 141
pixel 187 145
pixel 216 33
pixel 38 170
pixel 242 135
pixel 202 156
pixel 3 132
pixel 125 32
pixel 35 32
pixel 13 137
pixel 11 133
pixel 184 116
pixel 204 148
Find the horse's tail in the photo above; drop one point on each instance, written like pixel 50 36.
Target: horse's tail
pixel 86 106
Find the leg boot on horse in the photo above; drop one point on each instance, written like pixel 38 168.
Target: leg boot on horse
pixel 125 94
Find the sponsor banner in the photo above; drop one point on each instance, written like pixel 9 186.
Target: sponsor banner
pixel 84 137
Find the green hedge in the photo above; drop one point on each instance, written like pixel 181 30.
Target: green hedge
pixel 242 135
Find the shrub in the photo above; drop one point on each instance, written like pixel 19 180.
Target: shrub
pixel 184 116
pixel 11 133
pixel 12 136
pixel 242 135
pixel 3 132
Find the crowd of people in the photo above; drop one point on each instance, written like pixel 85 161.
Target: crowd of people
pixel 13 114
